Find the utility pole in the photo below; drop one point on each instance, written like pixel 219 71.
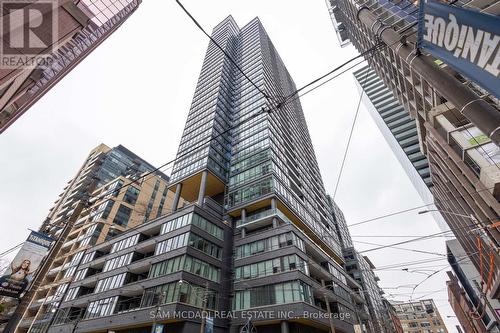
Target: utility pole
pixel 77 321
pixel 161 299
pixel 44 268
pixel 332 327
pixel 204 310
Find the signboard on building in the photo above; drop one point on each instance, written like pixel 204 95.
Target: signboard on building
pixel 18 276
pixel 465 39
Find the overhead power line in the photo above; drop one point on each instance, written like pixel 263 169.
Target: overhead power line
pixel 374 48
pixel 223 51
pixel 417 239
pixel 433 274
pixel 405 249
pixel 199 146
pixel 422 261
pixel 344 157
pixel 334 70
pixel 410 209
pixel 386 236
pixel 6 252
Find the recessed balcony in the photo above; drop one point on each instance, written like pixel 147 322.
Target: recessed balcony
pixel 475 148
pixel 261 219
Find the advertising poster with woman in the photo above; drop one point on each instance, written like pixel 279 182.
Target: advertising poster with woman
pixel 18 276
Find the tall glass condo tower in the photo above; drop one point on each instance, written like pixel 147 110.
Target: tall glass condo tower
pixel 242 150
pixel 250 232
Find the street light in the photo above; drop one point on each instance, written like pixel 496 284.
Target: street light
pixel 448 212
pixel 161 299
pixel 204 303
pixel 480 229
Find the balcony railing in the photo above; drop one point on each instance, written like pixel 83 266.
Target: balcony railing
pixel 213 206
pixel 263 215
pixel 473 147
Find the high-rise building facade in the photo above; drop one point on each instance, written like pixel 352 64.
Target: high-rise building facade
pixel 262 169
pixel 361 269
pixel 115 208
pixel 340 225
pixel 402 128
pixel 70 30
pixel 465 171
pixel 268 152
pixel 400 131
pixel 256 233
pixel 391 321
pixel 420 317
pixel 457 121
pixel 102 165
pixel 475 311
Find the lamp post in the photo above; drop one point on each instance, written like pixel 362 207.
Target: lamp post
pixel 161 298
pixel 328 309
pixel 448 212
pixel 481 229
pixel 204 303
pixel 77 321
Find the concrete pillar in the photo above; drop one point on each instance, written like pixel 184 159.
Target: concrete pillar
pixel 203 186
pixel 284 327
pixel 243 221
pixel 243 216
pixel 273 207
pixel 177 197
pixel 273 203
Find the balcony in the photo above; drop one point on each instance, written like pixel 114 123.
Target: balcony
pixel 473 147
pixel 261 219
pixel 26 322
pixel 54 271
pixel 213 207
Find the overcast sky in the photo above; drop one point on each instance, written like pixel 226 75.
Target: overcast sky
pixel 136 90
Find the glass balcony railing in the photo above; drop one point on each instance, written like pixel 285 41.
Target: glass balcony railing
pixel 262 215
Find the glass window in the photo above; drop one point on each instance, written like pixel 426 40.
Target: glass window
pixel 125 243
pixel 171 244
pixel 131 195
pixel 175 292
pixel 289 292
pixel 100 308
pixel 188 264
pixel 209 227
pixel 272 266
pixel 122 215
pixel 269 244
